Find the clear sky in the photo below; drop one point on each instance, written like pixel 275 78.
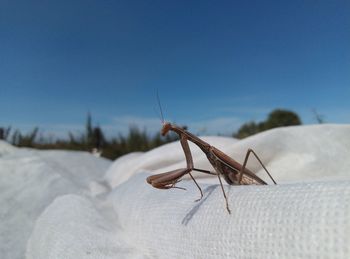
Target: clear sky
pixel 216 64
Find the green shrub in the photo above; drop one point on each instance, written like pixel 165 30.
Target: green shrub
pixel 277 118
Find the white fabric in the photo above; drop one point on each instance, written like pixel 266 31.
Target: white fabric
pixel 79 213
pixel 73 228
pixel 30 180
pixel 285 221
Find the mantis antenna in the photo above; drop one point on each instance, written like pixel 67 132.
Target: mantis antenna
pixel 160 107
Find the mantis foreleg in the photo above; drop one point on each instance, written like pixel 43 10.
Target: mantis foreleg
pixel 189 161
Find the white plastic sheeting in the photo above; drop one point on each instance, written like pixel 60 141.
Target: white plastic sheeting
pixel 76 208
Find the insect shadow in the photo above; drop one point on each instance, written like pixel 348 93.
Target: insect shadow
pixel 207 192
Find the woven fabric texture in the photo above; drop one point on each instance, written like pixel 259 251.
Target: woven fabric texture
pixel 307 215
pixel 284 221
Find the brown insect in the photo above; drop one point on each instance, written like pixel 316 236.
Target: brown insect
pixel 233 172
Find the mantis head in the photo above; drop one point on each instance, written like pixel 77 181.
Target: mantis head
pixel 165 129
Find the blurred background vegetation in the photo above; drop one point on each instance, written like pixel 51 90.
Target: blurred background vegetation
pixel 94 140
pixel 277 118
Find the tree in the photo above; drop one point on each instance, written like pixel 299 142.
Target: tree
pixel 27 140
pixel 247 129
pixel 88 129
pixel 277 118
pixel 98 138
pixel 319 117
pixel 281 118
pixel 5 133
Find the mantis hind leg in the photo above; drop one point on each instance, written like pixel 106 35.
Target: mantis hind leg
pixel 245 163
pixel 223 191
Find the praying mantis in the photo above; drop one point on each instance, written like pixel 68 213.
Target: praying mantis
pixel 233 172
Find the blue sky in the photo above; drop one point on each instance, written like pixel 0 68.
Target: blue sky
pixel 216 64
